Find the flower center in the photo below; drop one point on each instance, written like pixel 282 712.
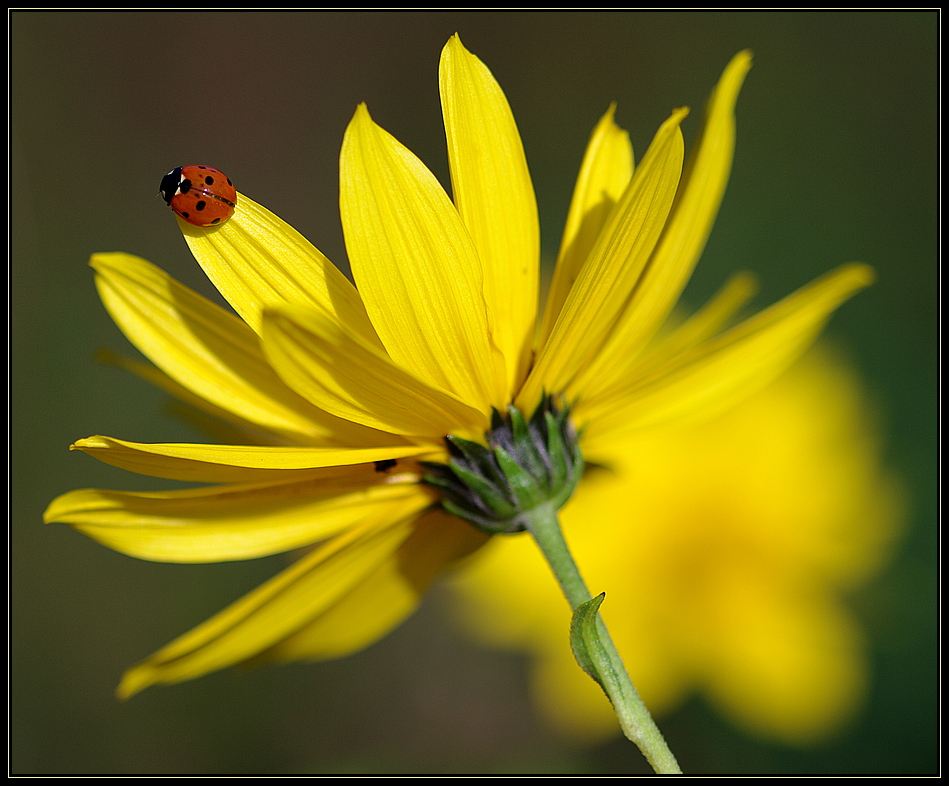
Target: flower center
pixel 526 464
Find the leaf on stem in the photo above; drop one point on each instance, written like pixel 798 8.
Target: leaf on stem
pixel 585 639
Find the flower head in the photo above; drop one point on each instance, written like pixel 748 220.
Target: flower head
pixel 336 392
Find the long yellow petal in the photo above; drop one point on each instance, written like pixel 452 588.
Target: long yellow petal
pixel 257 260
pixel 204 348
pixel 276 609
pixel 416 267
pixel 684 237
pixel 613 268
pixel 492 191
pixel 236 463
pixel 240 521
pixel 356 380
pixel 387 596
pixel 718 372
pixel 717 314
pixel 604 175
pixel 709 320
pixel 229 427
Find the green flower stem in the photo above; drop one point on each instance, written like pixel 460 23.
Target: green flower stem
pixel 634 718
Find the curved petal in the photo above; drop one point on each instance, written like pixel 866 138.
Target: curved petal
pixel 276 609
pixel 714 374
pixel 683 239
pixel 416 267
pixel 613 268
pixel 357 381
pixel 257 260
pixel 236 463
pixel 703 325
pixel 234 522
pixel 387 596
pixel 604 175
pixel 208 351
pixel 492 191
pixel 220 422
pixel 708 320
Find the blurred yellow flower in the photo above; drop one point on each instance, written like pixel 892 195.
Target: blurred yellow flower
pixel 337 391
pixel 726 549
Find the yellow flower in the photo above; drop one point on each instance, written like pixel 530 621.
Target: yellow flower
pixel 731 544
pixel 338 391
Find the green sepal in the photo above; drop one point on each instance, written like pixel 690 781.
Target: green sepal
pixel 559 469
pixel 491 495
pixel 531 451
pixel 525 464
pixel 523 485
pixel 475 456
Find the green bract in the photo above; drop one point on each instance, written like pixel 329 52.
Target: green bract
pixel 525 465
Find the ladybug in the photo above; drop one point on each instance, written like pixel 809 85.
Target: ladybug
pixel 201 195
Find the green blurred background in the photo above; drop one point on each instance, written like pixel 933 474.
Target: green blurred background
pixel 836 161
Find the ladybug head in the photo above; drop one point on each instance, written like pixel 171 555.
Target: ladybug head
pixel 172 184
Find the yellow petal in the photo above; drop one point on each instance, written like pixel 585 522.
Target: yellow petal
pixel 713 316
pixel 613 268
pixel 716 373
pixel 234 522
pixel 604 175
pixel 492 191
pixel 205 349
pixel 228 427
pixel 705 323
pixel 276 609
pixel 684 237
pixel 416 267
pixel 387 596
pixel 257 260
pixel 358 381
pixel 235 463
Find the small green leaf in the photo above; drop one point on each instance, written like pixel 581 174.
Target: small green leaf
pixel 585 639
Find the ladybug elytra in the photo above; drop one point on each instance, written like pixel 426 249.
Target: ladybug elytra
pixel 201 195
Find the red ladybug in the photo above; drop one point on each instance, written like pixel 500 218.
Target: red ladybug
pixel 201 195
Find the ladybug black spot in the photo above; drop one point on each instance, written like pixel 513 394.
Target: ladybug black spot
pixel 201 205
pixel 209 180
pixel 184 186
